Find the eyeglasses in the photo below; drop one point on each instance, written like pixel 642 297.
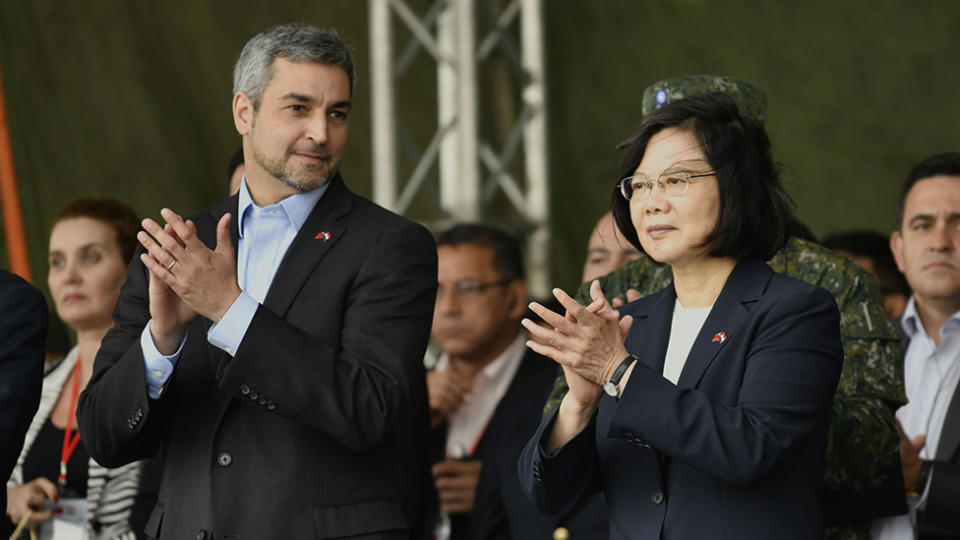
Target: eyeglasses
pixel 672 183
pixel 469 287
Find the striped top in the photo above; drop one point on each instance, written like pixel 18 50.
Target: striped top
pixel 111 493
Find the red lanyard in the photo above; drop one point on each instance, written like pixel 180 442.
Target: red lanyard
pixel 70 443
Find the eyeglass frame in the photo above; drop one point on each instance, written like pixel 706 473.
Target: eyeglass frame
pixel 687 176
pixel 466 287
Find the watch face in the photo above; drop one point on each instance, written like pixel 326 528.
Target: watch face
pixel 610 389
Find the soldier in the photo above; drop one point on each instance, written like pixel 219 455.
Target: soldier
pixel 863 478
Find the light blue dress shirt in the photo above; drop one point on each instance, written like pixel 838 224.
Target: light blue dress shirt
pixel 264 236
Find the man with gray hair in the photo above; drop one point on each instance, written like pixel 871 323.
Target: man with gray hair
pixel 271 346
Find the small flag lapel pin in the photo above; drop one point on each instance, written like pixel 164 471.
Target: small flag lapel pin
pixel 322 236
pixel 719 337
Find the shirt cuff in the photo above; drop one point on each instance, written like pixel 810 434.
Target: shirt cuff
pixel 227 334
pixel 159 367
pixel 922 502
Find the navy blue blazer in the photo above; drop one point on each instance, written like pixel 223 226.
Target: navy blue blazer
pixel 23 330
pixel 736 449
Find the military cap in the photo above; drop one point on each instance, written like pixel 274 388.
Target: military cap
pixel 751 100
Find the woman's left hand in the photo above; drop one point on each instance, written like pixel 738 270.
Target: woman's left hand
pixel 588 339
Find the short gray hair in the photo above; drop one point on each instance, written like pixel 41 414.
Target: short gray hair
pixel 296 42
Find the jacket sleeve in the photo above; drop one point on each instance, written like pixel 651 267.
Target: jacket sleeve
pixel 789 376
pixel 119 423
pixel 940 515
pixel 557 481
pixel 23 330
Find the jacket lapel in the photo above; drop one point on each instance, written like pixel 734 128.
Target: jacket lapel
pixel 744 286
pixel 656 318
pixel 318 234
pixel 949 444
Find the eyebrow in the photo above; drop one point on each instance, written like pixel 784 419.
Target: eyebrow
pixel 294 96
pixel 953 216
pixel 81 248
pixel 673 166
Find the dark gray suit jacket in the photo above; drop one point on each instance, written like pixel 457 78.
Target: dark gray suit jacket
pixel 296 435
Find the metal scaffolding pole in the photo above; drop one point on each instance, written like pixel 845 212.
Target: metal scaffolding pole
pixel 448 32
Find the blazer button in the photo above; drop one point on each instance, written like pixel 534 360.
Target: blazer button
pixel 253 395
pixel 201 535
pixel 262 400
pixel 271 405
pixel 244 389
pixel 561 533
pixel 224 460
pixel 657 498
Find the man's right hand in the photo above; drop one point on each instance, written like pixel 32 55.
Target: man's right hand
pixel 446 389
pixel 30 496
pixel 910 460
pixel 169 312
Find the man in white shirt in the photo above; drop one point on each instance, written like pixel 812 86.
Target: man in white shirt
pixel 927 251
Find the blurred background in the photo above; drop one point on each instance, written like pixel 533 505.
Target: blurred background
pixel 131 99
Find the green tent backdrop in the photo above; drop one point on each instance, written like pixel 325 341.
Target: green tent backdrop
pixel 131 99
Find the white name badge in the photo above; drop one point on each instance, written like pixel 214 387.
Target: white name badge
pixel 69 521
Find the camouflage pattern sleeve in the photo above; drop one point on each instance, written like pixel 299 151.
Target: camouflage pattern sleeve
pixel 862 443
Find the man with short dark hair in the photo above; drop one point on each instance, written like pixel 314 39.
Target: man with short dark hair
pixel 23 329
pixel 486 392
pixel 927 249
pixel 272 345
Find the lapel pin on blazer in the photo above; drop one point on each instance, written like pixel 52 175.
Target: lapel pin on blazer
pixel 719 337
pixel 322 235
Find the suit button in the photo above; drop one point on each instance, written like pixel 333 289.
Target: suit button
pixel 262 400
pixel 244 389
pixel 224 460
pixel 657 498
pixel 253 395
pixel 561 533
pixel 271 405
pixel 201 535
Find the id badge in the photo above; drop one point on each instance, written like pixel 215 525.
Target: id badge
pixel 69 521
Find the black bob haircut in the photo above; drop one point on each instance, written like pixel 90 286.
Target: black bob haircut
pixel 507 258
pixel 755 217
pixel 946 164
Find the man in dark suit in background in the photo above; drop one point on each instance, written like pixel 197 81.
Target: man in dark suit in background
pixel 272 345
pixel 23 331
pixel 487 392
pixel 927 250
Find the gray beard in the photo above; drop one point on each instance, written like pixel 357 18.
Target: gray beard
pixel 301 181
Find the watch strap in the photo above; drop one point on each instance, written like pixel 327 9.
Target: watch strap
pixel 611 387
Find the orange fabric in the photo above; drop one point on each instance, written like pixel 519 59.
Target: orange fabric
pixel 10 200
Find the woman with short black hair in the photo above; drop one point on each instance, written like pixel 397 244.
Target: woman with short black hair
pixel 700 411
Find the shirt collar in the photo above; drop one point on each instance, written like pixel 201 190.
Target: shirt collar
pixel 297 207
pixel 911 323
pixel 500 364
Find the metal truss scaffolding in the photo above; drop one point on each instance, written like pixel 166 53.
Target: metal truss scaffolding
pixel 471 171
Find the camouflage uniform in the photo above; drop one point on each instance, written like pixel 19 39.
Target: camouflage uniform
pixel 862 448
pixel 862 445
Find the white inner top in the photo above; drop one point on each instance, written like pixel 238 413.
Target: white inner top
pixel 686 325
